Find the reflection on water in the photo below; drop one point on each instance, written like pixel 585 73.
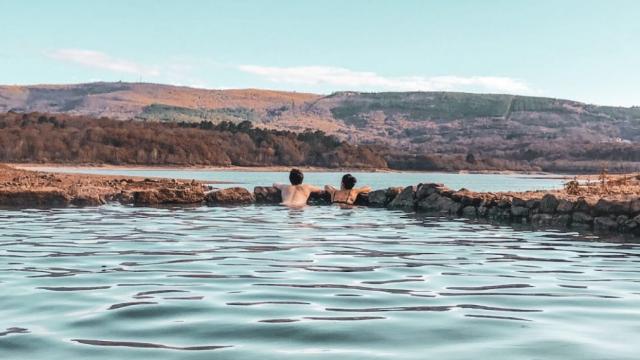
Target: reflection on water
pixel 322 282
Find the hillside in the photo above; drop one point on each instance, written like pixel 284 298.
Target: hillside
pixel 544 133
pixel 127 100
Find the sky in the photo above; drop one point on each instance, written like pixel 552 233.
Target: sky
pixel 585 50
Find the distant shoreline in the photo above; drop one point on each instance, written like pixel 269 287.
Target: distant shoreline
pixel 311 169
pixel 35 166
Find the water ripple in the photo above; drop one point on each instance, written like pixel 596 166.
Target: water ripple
pixel 323 282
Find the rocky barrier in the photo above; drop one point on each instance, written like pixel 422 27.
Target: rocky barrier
pixel 22 188
pixel 556 209
pixel 619 213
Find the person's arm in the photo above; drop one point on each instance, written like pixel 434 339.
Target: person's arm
pixel 364 189
pixel 330 189
pixel 278 186
pixel 313 188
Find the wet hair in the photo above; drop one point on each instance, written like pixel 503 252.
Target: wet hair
pixel 348 181
pixel 296 176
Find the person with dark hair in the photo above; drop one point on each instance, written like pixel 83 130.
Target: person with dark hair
pixel 297 193
pixel 348 193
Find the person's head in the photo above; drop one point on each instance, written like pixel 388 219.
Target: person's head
pixel 296 176
pixel 348 182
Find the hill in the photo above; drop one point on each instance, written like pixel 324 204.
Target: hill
pixel 544 133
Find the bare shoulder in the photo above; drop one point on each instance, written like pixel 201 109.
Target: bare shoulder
pixel 311 188
pixel 279 186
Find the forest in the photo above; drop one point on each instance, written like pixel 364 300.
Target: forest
pixel 61 138
pixel 72 139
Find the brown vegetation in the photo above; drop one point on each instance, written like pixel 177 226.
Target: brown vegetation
pixel 36 137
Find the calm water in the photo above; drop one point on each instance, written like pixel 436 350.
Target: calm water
pixel 265 282
pixel 249 179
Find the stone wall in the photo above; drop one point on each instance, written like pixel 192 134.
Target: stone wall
pixel 619 213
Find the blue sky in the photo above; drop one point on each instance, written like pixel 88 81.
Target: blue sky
pixel 582 50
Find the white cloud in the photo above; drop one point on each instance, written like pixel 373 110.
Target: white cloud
pixel 345 79
pixel 100 60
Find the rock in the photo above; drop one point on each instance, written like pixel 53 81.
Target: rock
pixel 437 203
pixel 489 202
pixel 584 205
pixel 362 199
pixel 562 220
pixel 34 198
pixel 533 203
pixel 466 198
pixel 631 226
pixel 622 219
pixel 503 214
pixel 493 212
pixel 634 207
pixel 516 201
pixel 378 198
pixel 319 198
pixel 544 219
pixel 88 200
pixel 469 212
pixel 404 200
pixel 581 218
pixel 381 198
pixel 564 206
pixel 450 207
pixel 146 197
pixel 230 196
pixel 606 206
pixel 548 204
pixel 483 211
pixel 504 202
pixel 427 189
pixel 604 224
pixel 123 197
pixel 267 195
pixel 186 195
pixel 519 211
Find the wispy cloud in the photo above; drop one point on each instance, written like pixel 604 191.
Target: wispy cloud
pixel 345 79
pixel 100 60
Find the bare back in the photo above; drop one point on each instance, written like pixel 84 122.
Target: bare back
pixel 295 195
pixel 345 196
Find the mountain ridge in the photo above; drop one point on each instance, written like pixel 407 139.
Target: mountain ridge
pixel 544 132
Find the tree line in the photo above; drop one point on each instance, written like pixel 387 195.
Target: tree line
pixel 60 138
